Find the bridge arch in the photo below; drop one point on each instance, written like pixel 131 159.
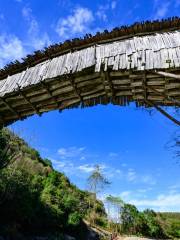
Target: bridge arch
pixel 137 64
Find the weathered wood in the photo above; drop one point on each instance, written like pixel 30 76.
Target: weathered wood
pixel 161 93
pixel 50 93
pixel 166 74
pixel 10 108
pixel 150 103
pixel 136 68
pixel 28 101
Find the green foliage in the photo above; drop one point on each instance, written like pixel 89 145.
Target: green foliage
pixel 47 162
pixel 101 221
pixel 142 223
pixel 97 181
pixel 74 218
pixel 130 218
pixel 170 223
pixel 34 198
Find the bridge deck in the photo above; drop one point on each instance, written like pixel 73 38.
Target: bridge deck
pixel 118 72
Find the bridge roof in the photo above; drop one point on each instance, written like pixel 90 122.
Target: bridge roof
pixel 138 63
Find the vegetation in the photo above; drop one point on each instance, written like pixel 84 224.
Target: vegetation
pixel 170 223
pixel 34 198
pixel 96 183
pixel 147 223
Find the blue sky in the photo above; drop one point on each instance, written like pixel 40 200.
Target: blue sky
pixel 128 143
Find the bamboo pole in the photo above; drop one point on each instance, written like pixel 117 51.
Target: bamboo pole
pixel 150 103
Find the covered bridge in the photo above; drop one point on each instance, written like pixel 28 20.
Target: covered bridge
pixel 139 63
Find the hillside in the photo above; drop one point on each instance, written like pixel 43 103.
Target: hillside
pixel 36 200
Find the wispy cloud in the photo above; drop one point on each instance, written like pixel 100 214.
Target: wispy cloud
pixel 125 194
pixel 76 23
pixel 113 4
pixel 70 167
pixel 163 202
pixel 113 154
pixel 2 16
pixel 142 199
pixel 11 48
pixel 101 12
pixel 177 3
pixel 161 9
pixel 131 175
pixel 81 159
pixel 33 24
pixel 72 152
pixel 148 179
pixel 87 168
pixel 37 40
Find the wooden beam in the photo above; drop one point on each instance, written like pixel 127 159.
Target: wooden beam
pixel 152 104
pixel 105 82
pixel 164 95
pixel 145 86
pixel 50 93
pixel 10 108
pixel 28 101
pixel 109 82
pixel 166 74
pixel 73 84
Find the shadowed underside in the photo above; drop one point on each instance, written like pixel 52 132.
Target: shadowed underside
pixel 143 68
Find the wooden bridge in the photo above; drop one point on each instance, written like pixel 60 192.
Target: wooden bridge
pixel 139 64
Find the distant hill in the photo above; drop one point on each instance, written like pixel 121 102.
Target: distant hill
pixel 170 221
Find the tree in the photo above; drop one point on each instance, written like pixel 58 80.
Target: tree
pixel 130 217
pixel 9 150
pixel 96 183
pixel 115 205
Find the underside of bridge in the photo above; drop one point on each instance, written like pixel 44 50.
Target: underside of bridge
pixel 139 64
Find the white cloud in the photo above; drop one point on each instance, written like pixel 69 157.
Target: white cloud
pixel 175 187
pixel 125 194
pixel 36 39
pixel 78 22
pixel 148 179
pixel 131 175
pixel 163 202
pixel 33 24
pixel 11 48
pixel 161 9
pixel 113 154
pixel 124 165
pixel 101 12
pixel 2 16
pixel 113 4
pixel 144 190
pixel 134 177
pixel 67 167
pixel 87 168
pixel 71 152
